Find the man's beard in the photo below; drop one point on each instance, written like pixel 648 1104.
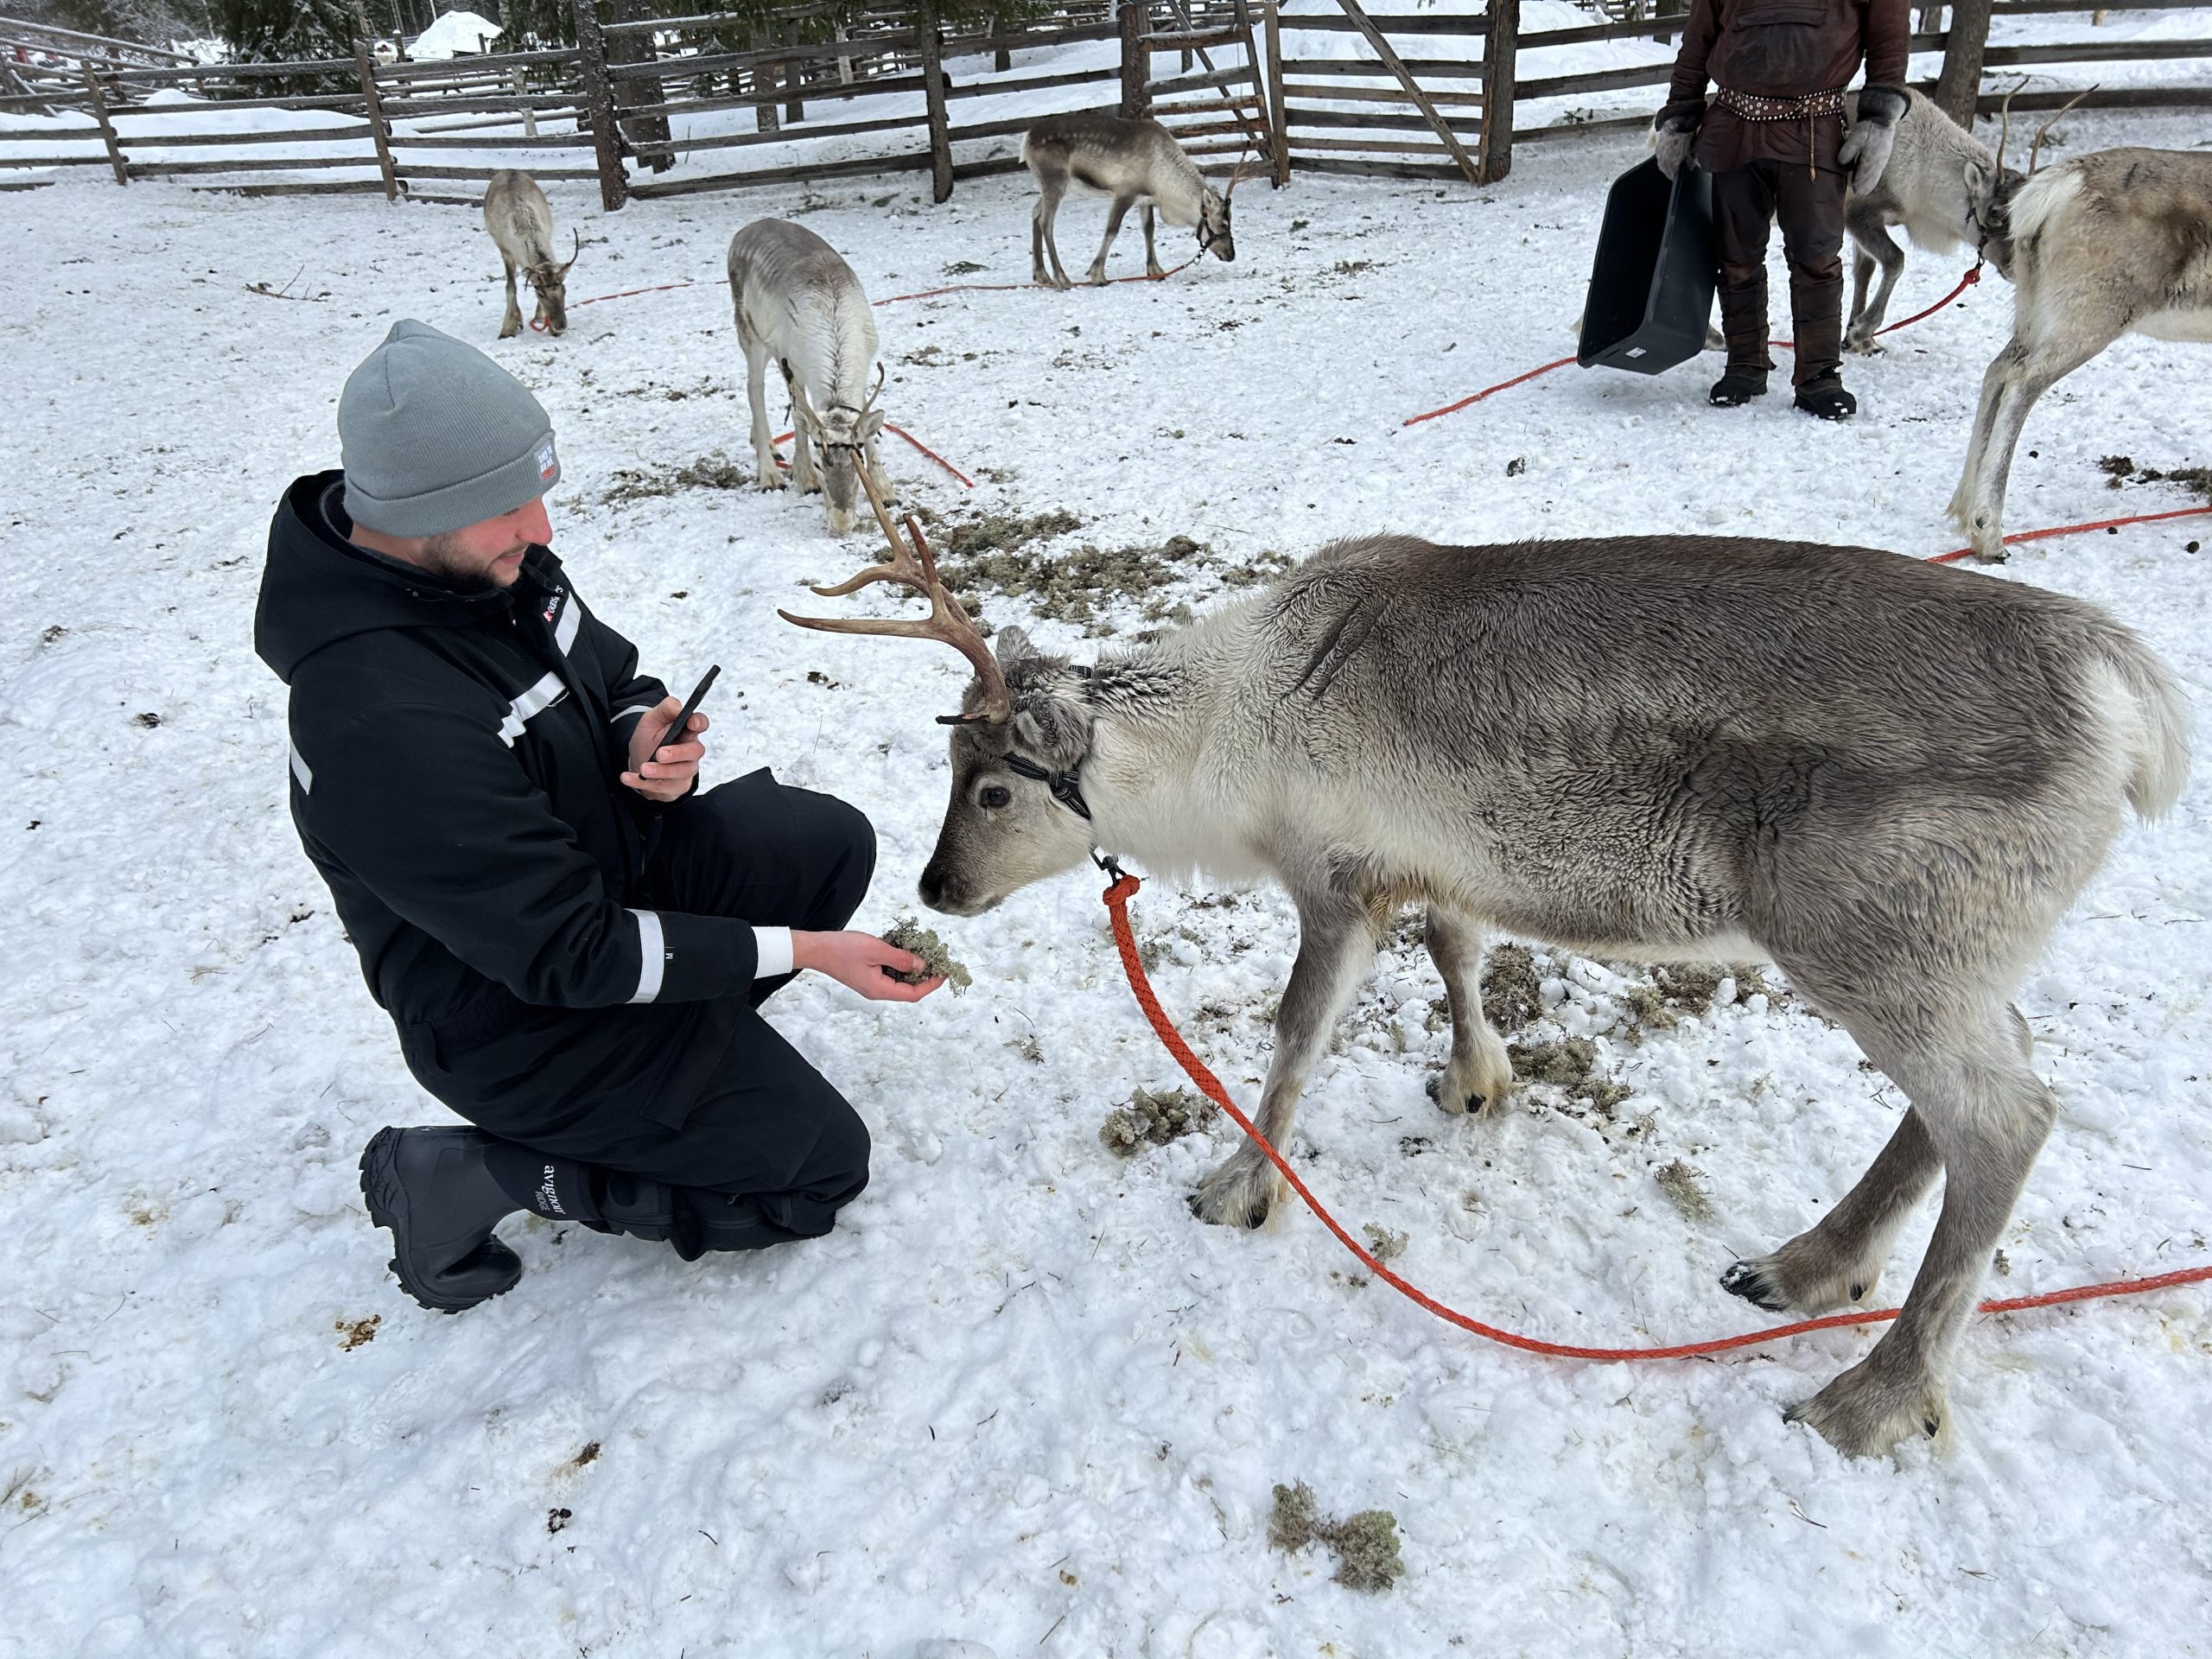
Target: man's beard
pixel 441 557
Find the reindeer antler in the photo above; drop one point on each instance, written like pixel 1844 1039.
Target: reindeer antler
pixel 576 247
pixel 2046 127
pixel 2005 122
pixel 915 567
pixel 875 391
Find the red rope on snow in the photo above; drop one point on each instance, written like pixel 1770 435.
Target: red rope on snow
pixel 1964 282
pixel 1118 898
pixel 1957 554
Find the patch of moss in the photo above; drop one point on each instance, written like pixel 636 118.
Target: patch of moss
pixel 1512 990
pixel 1566 1063
pixel 1297 1517
pixel 962 267
pixel 907 934
pixel 2121 470
pixel 1365 1544
pixel 1006 532
pixel 715 472
pixel 1367 1551
pixel 1680 1183
pixel 1153 1118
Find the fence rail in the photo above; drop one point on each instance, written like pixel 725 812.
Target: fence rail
pixel 1428 92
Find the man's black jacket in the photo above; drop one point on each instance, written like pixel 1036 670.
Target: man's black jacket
pixel 455 758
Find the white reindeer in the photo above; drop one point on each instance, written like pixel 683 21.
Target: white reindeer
pixel 2116 241
pixel 1945 188
pixel 521 223
pixel 1130 161
pixel 799 305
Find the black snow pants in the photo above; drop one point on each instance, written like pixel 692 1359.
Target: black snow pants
pixel 1747 201
pixel 769 1151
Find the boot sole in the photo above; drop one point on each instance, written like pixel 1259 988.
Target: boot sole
pixel 386 1197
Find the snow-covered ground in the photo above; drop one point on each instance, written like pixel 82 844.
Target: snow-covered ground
pixel 1020 1399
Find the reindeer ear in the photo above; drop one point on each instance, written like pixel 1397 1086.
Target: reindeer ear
pixel 1010 645
pixel 1979 176
pixel 871 423
pixel 1053 729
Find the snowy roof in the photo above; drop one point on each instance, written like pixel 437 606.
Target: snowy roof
pixel 455 33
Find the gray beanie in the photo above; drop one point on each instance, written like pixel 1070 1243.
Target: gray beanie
pixel 436 436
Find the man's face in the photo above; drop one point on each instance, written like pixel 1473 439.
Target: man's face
pixel 488 554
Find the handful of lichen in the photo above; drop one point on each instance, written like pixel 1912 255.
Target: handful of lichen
pixel 907 934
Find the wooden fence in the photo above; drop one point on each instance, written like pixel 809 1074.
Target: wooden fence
pixel 1429 93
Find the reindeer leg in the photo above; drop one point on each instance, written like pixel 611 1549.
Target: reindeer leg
pixel 2019 375
pixel 1479 1076
pixel 1837 1262
pixel 1872 243
pixel 1151 254
pixel 1986 1115
pixel 805 473
pixel 765 472
pixel 1115 215
pixel 1336 945
pixel 1046 216
pixel 511 324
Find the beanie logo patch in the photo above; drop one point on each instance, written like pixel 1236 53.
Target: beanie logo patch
pixel 545 461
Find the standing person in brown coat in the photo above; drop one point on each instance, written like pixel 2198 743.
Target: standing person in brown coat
pixel 1775 142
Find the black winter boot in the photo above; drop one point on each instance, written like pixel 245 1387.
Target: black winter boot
pixel 1826 398
pixel 434 1189
pixel 1739 386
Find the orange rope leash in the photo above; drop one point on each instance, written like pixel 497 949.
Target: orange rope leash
pixel 1118 898
pixel 1956 554
pixel 1964 282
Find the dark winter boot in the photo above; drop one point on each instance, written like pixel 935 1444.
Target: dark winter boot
pixel 434 1189
pixel 1739 386
pixel 1827 398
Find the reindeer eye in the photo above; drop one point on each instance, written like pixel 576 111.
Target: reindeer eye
pixel 994 794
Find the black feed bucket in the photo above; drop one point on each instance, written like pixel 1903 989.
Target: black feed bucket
pixel 1651 286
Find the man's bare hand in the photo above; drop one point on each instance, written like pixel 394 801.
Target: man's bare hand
pixel 863 962
pixel 663 764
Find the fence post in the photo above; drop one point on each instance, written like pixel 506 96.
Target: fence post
pixel 794 75
pixel 628 48
pixel 522 94
pixel 373 103
pixel 1275 118
pixel 1958 89
pixel 765 118
pixel 1500 47
pixel 1136 58
pixel 599 104
pixel 107 127
pixel 933 43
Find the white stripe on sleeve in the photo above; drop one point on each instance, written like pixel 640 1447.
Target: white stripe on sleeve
pixel 299 770
pixel 651 960
pixel 773 946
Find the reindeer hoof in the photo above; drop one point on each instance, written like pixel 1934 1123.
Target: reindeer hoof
pixel 1864 1413
pixel 1240 1193
pixel 1867 346
pixel 1749 1280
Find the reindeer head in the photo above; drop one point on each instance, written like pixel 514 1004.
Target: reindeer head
pixel 550 282
pixel 1016 815
pixel 1214 235
pixel 843 435
pixel 1989 194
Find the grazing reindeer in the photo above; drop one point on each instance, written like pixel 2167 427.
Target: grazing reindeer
pixel 1131 161
pixel 2108 243
pixel 521 223
pixel 799 305
pixel 1946 187
pixel 1890 776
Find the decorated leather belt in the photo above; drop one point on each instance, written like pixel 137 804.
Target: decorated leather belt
pixel 1809 107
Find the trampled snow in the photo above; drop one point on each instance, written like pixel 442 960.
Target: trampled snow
pixel 1019 1399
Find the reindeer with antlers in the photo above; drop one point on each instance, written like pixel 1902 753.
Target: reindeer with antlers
pixel 2115 242
pixel 1888 776
pixel 799 305
pixel 521 223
